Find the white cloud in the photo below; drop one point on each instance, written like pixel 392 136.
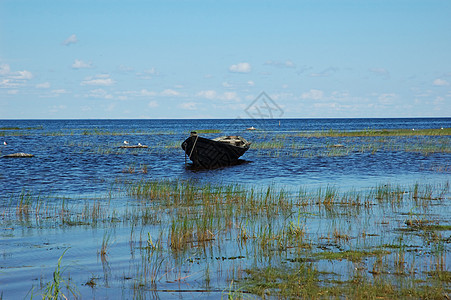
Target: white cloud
pixel 148 74
pixel 54 93
pixel 440 82
pixel 325 73
pixel 22 75
pixel 125 69
pixel 387 98
pixel 5 69
pixel 152 104
pixel 70 40
pixel 237 85
pixel 102 76
pixel 282 96
pixel 169 92
pixel 147 93
pixel 380 71
pixel 313 94
pixel 7 83
pixel 340 95
pixel 227 84
pixel 208 94
pixel 44 85
pixel 101 80
pixel 243 67
pixel 57 108
pixel 151 94
pixel 86 108
pixel 290 64
pixel 59 91
pixel 79 64
pixel 286 64
pixel 328 105
pixel 151 71
pixel 230 96
pixel 13 92
pixel 13 79
pixel 100 93
pixel 213 95
pixel 188 105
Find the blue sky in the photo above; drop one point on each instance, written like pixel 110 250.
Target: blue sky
pixel 210 59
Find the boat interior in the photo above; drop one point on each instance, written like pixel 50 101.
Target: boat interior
pixel 233 140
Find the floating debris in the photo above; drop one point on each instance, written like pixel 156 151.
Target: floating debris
pixel 21 154
pixel 135 146
pixel 338 145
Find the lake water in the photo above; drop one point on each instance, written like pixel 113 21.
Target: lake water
pixel 80 161
pixel 71 156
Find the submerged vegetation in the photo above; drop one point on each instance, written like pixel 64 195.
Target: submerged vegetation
pixel 388 241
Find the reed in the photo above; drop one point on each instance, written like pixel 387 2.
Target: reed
pixel 106 243
pixel 389 239
pixel 55 288
pixel 181 234
pixel 200 131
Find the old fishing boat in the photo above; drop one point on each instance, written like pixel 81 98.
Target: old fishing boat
pixel 218 152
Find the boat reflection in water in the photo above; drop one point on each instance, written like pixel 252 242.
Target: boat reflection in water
pixel 213 153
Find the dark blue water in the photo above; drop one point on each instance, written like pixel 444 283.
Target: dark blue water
pixel 83 156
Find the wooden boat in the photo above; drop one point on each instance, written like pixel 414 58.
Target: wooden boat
pixel 218 152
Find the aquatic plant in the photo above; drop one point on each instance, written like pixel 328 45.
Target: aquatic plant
pixel 207 131
pixel 106 242
pixel 272 242
pixel 54 289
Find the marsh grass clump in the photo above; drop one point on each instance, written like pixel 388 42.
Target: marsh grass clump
pixel 181 234
pixel 388 193
pixel 275 144
pixel 300 281
pixel 350 255
pixel 56 288
pixel 23 205
pixel 207 131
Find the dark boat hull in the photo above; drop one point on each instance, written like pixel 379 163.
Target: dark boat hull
pixel 207 153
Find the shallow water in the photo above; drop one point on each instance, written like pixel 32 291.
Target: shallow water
pixel 80 162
